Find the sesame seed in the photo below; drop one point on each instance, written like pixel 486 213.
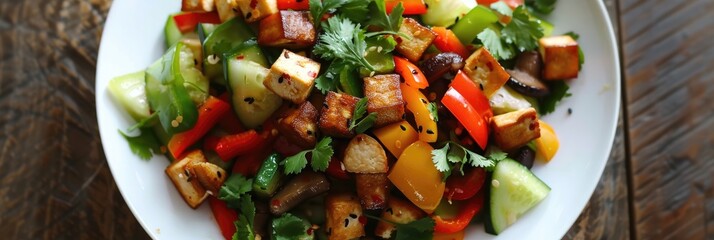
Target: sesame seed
pixel 570 111
pixel 495 183
pixel 179 118
pixel 286 54
pixel 402 127
pixel 429 131
pixel 174 123
pixel 352 215
pixel 213 59
pixel 347 222
pixel 420 129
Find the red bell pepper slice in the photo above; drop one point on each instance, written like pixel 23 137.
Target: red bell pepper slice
pixel 285 147
pixel 468 209
pixel 296 5
pixel 225 217
pixel 412 75
pixel 230 122
pixel 462 187
pixel 411 7
pixel 467 116
pixel 249 164
pixel 446 41
pixel 231 146
pixel 473 94
pixel 186 22
pixel 511 3
pixel 208 115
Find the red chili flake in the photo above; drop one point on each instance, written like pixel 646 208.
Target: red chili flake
pixel 240 57
pixel 399 40
pixel 309 231
pixel 376 198
pixel 253 3
pixel 490 66
pixel 275 203
pixel 362 220
pixel 286 76
pixel 312 74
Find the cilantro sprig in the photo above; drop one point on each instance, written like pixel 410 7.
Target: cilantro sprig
pixel 380 18
pixel 289 226
pixel 343 40
pixel 320 158
pixel 523 32
pixel 234 188
pixel 452 155
pixel 421 229
pixel 433 111
pixel 244 225
pixel 144 145
pixel 319 8
pixel 359 123
pixel 542 6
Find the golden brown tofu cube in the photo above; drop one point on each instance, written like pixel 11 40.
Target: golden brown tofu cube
pixel 189 187
pixel 420 38
pixel 197 5
pixel 485 70
pixel 299 125
pixel 292 76
pixel 560 57
pixel 209 175
pixel 227 9
pixel 384 97
pixel 515 129
pixel 398 211
pixel 287 29
pixel 372 189
pixel 343 215
pixel 255 10
pixel 365 155
pixel 336 114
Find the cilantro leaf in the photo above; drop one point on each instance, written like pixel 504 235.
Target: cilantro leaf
pixel 445 159
pixel 320 158
pixel 358 123
pixel 433 111
pixel 319 8
pixel 289 226
pixel 416 230
pixel 380 18
pixel 440 158
pixel 477 160
pixel 145 145
pixel 295 163
pixel 494 44
pixel 244 224
pixel 342 40
pixel 558 91
pixel 326 82
pixel 542 6
pixel 366 123
pixel 232 189
pixel 356 10
pixel 523 32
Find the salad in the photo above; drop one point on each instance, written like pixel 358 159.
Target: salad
pixel 341 119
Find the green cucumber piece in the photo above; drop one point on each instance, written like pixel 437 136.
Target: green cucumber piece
pixel 252 101
pixel 269 177
pixel 172 33
pixel 194 81
pixel 379 55
pixel 444 13
pixel 222 40
pixel 475 21
pixel 130 91
pixel 514 191
pixel 506 100
pixel 205 29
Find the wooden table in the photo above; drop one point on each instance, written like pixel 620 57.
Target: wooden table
pixel 55 183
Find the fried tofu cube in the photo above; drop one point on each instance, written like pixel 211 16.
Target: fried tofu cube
pixel 560 57
pixel 292 76
pixel 398 211
pixel 336 113
pixel 419 40
pixel 372 189
pixel 227 9
pixel 299 125
pixel 343 213
pixel 287 29
pixel 384 97
pixel 189 187
pixel 197 6
pixel 515 129
pixel 209 175
pixel 365 155
pixel 485 71
pixel 255 10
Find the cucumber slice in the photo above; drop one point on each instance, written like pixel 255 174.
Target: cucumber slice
pixel 224 38
pixel 130 91
pixel 252 102
pixel 205 29
pixel 506 100
pixel 444 13
pixel 475 21
pixel 194 81
pixel 514 191
pixel 172 33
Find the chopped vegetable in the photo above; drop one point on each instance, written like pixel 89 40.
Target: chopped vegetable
pixel 424 189
pixel 547 144
pixel 343 40
pixel 208 115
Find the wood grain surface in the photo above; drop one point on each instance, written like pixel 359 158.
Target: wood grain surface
pixel 55 183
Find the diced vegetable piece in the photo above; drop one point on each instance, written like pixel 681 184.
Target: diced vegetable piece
pixel 225 217
pixel 255 10
pixel 470 90
pixel 189 188
pixel 195 83
pixel 437 66
pixel 336 113
pixel 365 155
pixel 398 211
pixel 424 189
pixel 225 38
pixel 506 100
pixel 172 33
pixel 446 41
pixel 446 13
pixel 462 187
pixel 514 191
pixel 230 146
pixel 449 236
pixel 467 115
pixel 397 136
pixel 269 177
pixel 384 98
pixel 208 115
pixel 252 102
pixel 560 57
pixel 515 129
pixel 466 210
pixel 197 5
pixel 475 21
pixel 227 9
pixel 417 104
pixel 412 75
pixel 304 186
pixel 249 164
pixel 130 91
pixel 292 76
pixel 336 169
pixel 372 189
pixel 411 7
pixel 547 144
pixel 379 55
pixel 197 50
pixel 300 125
pixel 296 5
pixel 209 175
pixel 287 29
pixel 419 39
pixel 344 216
pixel 485 70
pixel 186 22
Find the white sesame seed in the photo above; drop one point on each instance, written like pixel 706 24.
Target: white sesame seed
pixel 495 183
pixel 174 123
pixel 179 118
pixel 213 59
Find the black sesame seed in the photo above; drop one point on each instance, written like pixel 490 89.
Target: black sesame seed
pixel 423 100
pixel 426 5
pixel 457 19
pixel 286 54
pixel 429 131
pixel 570 111
pixel 480 86
pixel 329 231
pixel 420 128
pixel 352 215
pixel 218 173
pixel 309 132
pixel 247 16
pixel 280 80
pixel 249 100
pixel 414 71
pixel 404 115
pixel 324 104
pixel 402 127
pixel 347 222
pixel 195 62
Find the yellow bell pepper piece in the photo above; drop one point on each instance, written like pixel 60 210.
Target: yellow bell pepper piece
pixel 415 175
pixel 397 136
pixel 547 145
pixel 417 104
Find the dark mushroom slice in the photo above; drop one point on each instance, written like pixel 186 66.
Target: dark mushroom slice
pixel 436 66
pixel 304 186
pixel 526 84
pixel 531 63
pixel 524 155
